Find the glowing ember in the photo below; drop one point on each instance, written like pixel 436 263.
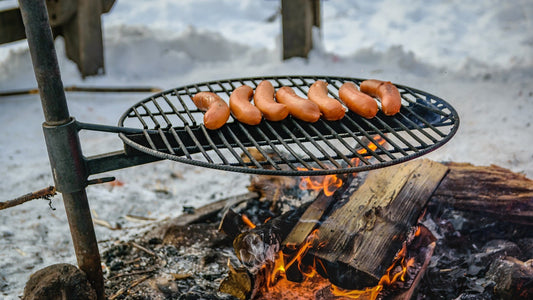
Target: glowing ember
pixel 247 221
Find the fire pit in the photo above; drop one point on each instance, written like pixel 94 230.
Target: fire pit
pixel 475 255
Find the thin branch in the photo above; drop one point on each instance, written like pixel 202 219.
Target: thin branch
pixel 86 89
pixel 45 193
pixel 143 249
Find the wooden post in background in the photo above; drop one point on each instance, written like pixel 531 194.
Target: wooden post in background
pixel 11 26
pixel 78 21
pixel 298 18
pixel 83 38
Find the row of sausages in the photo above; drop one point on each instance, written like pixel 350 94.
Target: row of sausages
pixel 277 105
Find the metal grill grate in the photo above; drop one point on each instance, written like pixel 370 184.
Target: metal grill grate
pixel 172 129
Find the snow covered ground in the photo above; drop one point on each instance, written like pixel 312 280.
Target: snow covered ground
pixel 478 56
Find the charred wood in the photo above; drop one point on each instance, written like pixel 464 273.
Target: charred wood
pixel 232 224
pixel 513 278
pixel 260 245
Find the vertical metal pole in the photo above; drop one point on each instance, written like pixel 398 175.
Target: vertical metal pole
pixel 61 135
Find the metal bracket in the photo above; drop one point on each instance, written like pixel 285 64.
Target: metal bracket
pixel 62 142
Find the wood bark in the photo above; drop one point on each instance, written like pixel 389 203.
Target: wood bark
pixel 491 190
pixel 512 278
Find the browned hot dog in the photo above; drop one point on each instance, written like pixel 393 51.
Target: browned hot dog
pixel 330 108
pixel 264 101
pixel 357 101
pixel 299 107
pixel 242 109
pixel 391 101
pixel 216 110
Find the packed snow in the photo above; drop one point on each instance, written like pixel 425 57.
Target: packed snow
pixel 477 55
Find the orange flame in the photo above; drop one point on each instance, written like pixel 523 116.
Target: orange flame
pixel 372 145
pixel 277 281
pixel 388 279
pixel 395 273
pixel 330 183
pixel 280 266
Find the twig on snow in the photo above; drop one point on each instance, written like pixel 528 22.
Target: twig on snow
pixel 45 193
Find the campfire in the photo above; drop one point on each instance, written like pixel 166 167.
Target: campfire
pixel 360 238
pixel 310 251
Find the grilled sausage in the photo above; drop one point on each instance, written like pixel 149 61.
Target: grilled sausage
pixel 391 101
pixel 330 108
pixel 299 107
pixel 242 109
pixel 357 101
pixel 264 101
pixel 216 110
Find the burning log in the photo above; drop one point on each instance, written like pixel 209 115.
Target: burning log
pixel 358 241
pixel 361 238
pixel 492 190
pixel 257 249
pixel 259 245
pixel 357 237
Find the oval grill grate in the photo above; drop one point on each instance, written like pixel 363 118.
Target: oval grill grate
pixel 172 129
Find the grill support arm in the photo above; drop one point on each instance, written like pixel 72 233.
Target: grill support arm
pixel 62 140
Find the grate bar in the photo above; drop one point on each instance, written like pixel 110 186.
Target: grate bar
pixel 175 110
pixel 410 133
pixel 297 142
pixel 149 139
pixel 335 149
pixel 180 143
pixel 425 122
pixel 213 146
pixel 231 150
pixel 152 117
pixel 368 136
pixel 198 144
pixel 345 144
pixel 417 127
pixel 276 150
pixel 291 151
pixel 314 143
pixel 136 113
pixel 165 141
pixel 164 115
pixel 395 133
pixel 254 142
